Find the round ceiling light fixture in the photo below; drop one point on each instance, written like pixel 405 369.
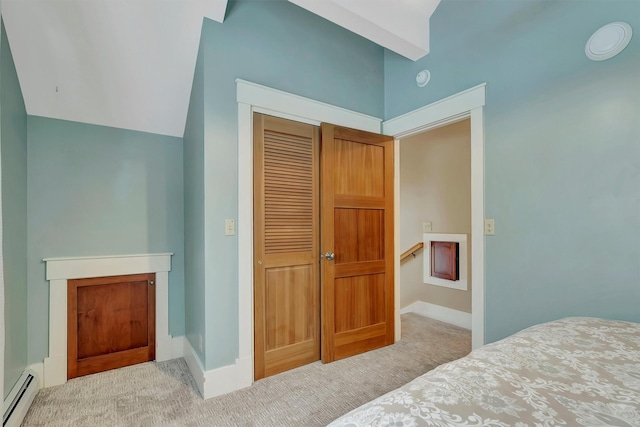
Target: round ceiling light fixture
pixel 608 41
pixel 422 78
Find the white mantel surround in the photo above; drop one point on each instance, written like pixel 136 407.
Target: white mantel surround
pixel 59 270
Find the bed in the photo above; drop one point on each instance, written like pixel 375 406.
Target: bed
pixel 570 372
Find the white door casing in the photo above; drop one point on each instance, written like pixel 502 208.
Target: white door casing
pixel 463 105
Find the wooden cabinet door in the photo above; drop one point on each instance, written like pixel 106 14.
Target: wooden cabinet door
pixel 110 323
pixel 286 263
pixel 357 226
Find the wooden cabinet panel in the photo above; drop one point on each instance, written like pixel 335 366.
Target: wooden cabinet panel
pixel 110 323
pixel 444 260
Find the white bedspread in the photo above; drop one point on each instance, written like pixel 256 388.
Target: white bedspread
pixel 571 372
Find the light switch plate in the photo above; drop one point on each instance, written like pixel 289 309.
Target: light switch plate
pixel 229 227
pixel 427 227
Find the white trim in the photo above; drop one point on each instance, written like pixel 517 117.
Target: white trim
pixel 195 365
pixel 445 111
pixel 252 98
pixel 468 103
pixel 396 243
pixel 438 312
pixel 23 402
pixel 294 107
pixel 461 239
pixel 38 368
pixel 477 228
pixel 245 236
pixel 59 270
pixel 218 381
pixel 177 347
pixel 105 265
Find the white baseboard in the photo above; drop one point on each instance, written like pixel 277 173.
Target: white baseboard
pixel 19 399
pixel 195 365
pixel 438 312
pixel 55 370
pixel 177 347
pixel 217 381
pixel 38 368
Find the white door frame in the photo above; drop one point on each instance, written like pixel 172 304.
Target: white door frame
pixel 252 98
pixel 463 105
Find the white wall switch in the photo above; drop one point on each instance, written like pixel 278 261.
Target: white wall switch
pixel 427 227
pixel 200 342
pixel 229 227
pixel 489 227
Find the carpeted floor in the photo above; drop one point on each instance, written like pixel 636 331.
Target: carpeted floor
pixel 163 394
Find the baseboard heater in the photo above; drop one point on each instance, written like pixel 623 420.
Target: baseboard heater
pixel 19 400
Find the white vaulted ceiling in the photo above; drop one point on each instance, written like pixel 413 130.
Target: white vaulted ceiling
pixel 129 63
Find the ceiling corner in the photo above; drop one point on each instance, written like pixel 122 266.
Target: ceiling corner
pixel 216 10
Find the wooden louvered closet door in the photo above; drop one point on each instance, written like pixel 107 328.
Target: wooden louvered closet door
pixel 286 264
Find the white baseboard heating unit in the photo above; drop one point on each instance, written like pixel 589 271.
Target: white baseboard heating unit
pixel 19 400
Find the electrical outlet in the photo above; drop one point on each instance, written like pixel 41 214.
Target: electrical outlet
pixel 427 227
pixel 489 227
pixel 229 227
pixel 200 342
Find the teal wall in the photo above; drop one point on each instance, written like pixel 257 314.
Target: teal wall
pixel 193 141
pixel 562 162
pixel 96 190
pixel 13 134
pixel 562 151
pixel 280 45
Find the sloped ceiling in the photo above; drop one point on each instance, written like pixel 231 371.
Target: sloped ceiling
pixel 129 63
pixel 126 64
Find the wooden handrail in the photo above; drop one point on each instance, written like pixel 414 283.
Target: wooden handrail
pixel 412 251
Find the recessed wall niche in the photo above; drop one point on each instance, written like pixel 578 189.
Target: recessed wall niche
pixel 436 270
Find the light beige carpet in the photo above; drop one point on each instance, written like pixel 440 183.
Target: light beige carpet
pixel 163 394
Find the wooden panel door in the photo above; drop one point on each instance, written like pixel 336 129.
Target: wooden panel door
pixel 286 270
pixel 110 324
pixel 357 226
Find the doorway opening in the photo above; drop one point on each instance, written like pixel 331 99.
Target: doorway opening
pixel 435 209
pixel 466 104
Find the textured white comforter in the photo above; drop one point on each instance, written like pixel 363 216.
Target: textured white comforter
pixel 571 372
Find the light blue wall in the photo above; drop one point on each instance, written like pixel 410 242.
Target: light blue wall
pixel 95 190
pixel 194 261
pixel 562 151
pixel 277 44
pixel 13 127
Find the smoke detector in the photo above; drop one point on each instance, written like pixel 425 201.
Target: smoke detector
pixel 422 78
pixel 608 41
